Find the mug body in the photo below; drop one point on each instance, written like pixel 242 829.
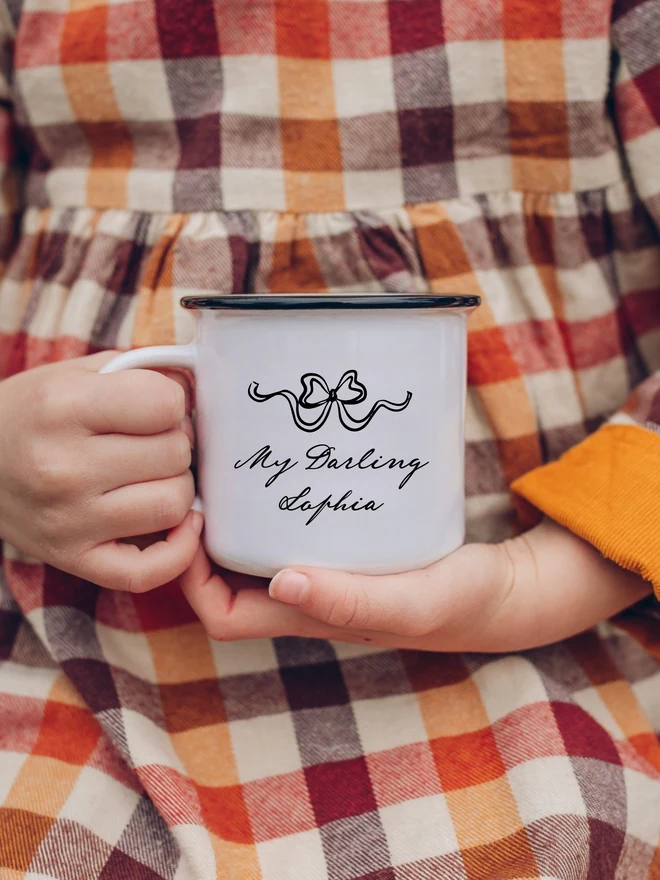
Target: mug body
pixel 331 437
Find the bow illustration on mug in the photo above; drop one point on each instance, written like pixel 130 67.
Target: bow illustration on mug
pixel 318 396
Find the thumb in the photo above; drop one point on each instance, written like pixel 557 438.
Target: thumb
pixel 413 604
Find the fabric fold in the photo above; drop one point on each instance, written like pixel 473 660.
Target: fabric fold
pixel 606 489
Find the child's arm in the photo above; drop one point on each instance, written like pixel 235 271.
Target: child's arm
pixel 539 588
pixel 87 460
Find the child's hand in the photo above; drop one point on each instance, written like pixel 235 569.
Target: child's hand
pixel 536 589
pixel 86 460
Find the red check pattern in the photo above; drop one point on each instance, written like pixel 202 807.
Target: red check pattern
pixel 153 148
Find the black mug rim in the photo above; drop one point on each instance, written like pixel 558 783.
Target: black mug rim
pixel 275 301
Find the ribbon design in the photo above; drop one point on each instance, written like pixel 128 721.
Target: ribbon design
pixel 318 398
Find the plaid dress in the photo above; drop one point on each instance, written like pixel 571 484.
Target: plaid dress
pixel 510 148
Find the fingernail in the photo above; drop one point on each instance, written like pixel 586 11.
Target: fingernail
pixel 289 587
pixel 197 521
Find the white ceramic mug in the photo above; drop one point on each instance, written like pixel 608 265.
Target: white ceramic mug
pixel 330 428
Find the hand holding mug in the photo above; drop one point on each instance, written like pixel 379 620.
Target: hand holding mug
pixel 88 461
pixel 538 588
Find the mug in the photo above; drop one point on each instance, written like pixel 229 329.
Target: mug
pixel 330 428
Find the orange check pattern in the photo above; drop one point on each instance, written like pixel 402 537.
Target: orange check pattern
pixel 154 148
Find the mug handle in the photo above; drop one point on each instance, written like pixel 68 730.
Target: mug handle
pixel 182 356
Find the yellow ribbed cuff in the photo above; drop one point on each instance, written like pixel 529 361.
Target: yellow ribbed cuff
pixel 606 490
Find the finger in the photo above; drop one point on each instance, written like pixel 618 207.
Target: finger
pixel 130 402
pixel 189 430
pixel 126 567
pixel 412 604
pixel 248 613
pixel 92 364
pixel 145 508
pixel 121 460
pixel 186 380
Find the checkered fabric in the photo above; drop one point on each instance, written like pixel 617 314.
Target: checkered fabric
pixel 155 148
pixel 338 105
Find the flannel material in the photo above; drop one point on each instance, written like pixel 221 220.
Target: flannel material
pixel 155 148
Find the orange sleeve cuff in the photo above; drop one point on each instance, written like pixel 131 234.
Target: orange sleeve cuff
pixel 606 490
